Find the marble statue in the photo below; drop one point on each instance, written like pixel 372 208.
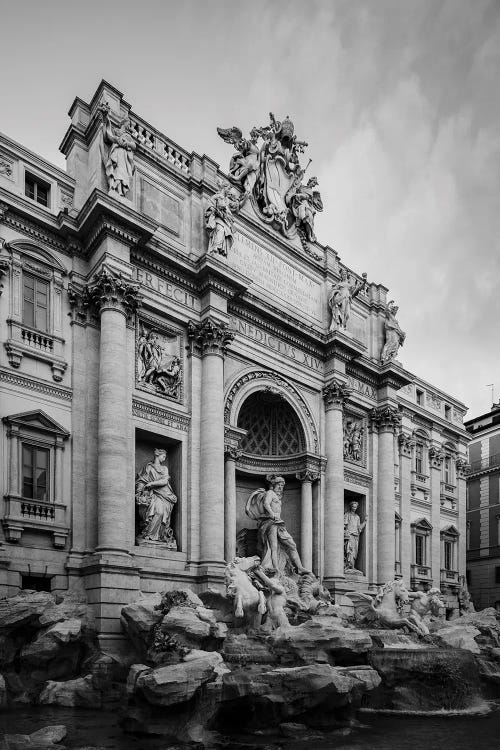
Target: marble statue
pixel 276 544
pixel 259 597
pixel 156 367
pixel 340 298
pixel 305 201
pixel 465 603
pixel 353 441
pixel 394 336
pixel 219 219
pixel 155 501
pixel 353 526
pixel 244 164
pixel 119 160
pixel 424 605
pixel 388 607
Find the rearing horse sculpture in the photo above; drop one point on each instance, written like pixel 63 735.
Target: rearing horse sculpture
pixel 388 606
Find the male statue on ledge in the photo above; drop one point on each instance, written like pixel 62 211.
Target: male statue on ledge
pixel 352 531
pixel 276 544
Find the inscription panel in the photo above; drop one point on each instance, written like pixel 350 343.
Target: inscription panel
pixel 166 289
pixel 276 344
pixel 274 275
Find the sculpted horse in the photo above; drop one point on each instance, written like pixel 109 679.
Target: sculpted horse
pixel 249 601
pixel 388 607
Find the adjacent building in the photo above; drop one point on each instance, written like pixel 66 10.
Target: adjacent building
pixel 170 341
pixel 483 509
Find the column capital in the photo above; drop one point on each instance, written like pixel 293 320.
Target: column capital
pixel 406 444
pixel 307 476
pixel 109 289
pixel 231 453
pixel 385 418
pixel 463 467
pixel 211 336
pixel 335 394
pixel 436 457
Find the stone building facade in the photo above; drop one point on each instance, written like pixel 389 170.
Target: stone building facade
pixel 163 326
pixel 483 509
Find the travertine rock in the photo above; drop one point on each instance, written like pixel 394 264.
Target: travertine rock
pixel 24 609
pixel 71 607
pixel 460 636
pixel 139 618
pixel 240 648
pixel 170 685
pixel 321 639
pixel 43 738
pixel 79 693
pixel 3 692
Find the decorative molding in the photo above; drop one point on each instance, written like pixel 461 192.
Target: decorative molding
pixel 4 270
pixel 406 444
pixel 154 413
pixel 109 227
pixel 463 467
pixel 385 418
pixel 29 228
pixel 352 477
pixel 436 457
pixel 286 466
pixel 108 289
pixel 335 394
pixel 232 453
pixel 36 385
pixel 307 476
pixel 6 167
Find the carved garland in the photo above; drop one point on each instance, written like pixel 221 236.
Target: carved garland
pixel 282 384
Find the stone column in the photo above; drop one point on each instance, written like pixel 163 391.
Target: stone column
pixel 406 445
pixel 14 488
pixel 231 455
pixel 436 458
pixel 462 468
pixel 114 297
pixel 386 419
pixel 335 395
pixel 210 339
pixel 306 478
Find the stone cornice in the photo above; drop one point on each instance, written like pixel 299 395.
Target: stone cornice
pixel 211 336
pixel 35 384
pixel 15 218
pixel 335 394
pixel 166 417
pixel 214 275
pixel 353 477
pixel 343 347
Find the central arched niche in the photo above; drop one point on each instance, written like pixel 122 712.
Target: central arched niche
pixel 274 435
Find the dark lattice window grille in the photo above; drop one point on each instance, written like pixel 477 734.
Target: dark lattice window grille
pixel 273 428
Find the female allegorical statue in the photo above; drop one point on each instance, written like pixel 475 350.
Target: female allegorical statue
pixel 219 218
pixel 119 162
pixel 155 500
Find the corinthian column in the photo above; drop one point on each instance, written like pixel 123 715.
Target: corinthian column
pixel 406 446
pixel 385 419
pixel 231 455
pixel 436 458
pixel 114 297
pixel 209 340
pixel 335 395
pixel 306 478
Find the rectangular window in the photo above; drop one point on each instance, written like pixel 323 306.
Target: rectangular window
pixel 420 397
pixel 448 555
pixel 447 470
pixel 419 458
pixel 419 549
pixel 35 473
pixel 36 583
pixel 35 302
pixel 36 189
pixel 447 412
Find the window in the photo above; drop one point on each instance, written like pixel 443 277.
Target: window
pixel 447 469
pixel 36 583
pixel 35 472
pixel 419 549
pixel 419 458
pixel 37 189
pixel 448 555
pixel 420 397
pixel 447 412
pixel 35 302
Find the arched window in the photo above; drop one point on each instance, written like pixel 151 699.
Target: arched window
pixel 273 428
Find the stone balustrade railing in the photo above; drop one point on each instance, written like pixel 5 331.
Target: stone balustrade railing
pixel 153 140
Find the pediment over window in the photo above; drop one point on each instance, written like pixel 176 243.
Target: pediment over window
pixel 423 524
pixel 450 530
pixel 37 420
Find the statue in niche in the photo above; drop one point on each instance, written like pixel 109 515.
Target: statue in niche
pixel 340 298
pixel 353 526
pixel 155 501
pixel 119 160
pixel 244 163
pixel 275 543
pixel 394 336
pixel 219 219
pixel 305 201
pixel 158 366
pixel 353 441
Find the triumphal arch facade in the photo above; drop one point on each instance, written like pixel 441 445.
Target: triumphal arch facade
pixel 175 337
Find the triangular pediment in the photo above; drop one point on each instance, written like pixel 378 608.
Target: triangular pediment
pixel 37 420
pixel 422 523
pixel 450 530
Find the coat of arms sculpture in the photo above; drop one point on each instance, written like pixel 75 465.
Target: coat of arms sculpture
pixel 268 169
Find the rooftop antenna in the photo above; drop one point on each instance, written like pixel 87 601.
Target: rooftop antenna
pixel 492 386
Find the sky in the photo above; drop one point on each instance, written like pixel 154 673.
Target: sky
pixel 398 100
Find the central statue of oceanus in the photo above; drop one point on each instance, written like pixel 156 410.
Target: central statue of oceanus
pixel 267 167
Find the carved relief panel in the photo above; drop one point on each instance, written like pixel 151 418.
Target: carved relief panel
pixel 354 439
pixel 159 361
